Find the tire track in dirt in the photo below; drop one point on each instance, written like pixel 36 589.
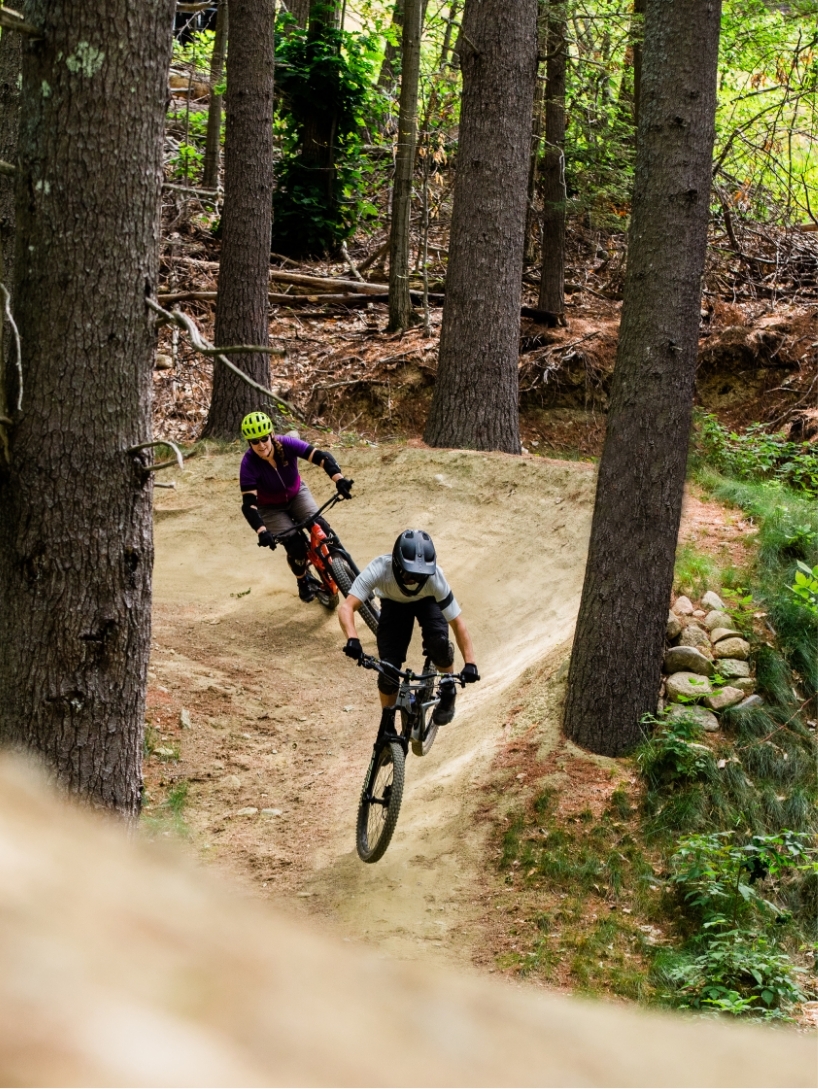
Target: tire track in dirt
pixel 280 720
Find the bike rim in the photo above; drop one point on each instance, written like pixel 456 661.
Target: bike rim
pixel 380 792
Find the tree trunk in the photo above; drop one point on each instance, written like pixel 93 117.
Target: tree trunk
pixel 241 306
pixel 300 11
pixel 210 176
pixel 552 280
pixel 475 398
pixel 616 662
pixel 401 313
pixel 318 148
pixel 445 48
pixel 537 126
pixel 639 34
pixel 76 548
pixel 392 50
pixel 10 62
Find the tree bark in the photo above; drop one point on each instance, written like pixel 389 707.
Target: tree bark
pixel 300 11
pixel 76 546
pixel 616 662
pixel 445 48
pixel 401 313
pixel 318 147
pixel 10 64
pixel 241 307
pixel 392 50
pixel 475 399
pixel 552 279
pixel 210 175
pixel 639 31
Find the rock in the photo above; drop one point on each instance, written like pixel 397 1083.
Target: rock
pixel 689 684
pixel 674 626
pixel 164 752
pixel 231 782
pixel 706 719
pixel 732 648
pixel 678 659
pixel 717 634
pixel 271 812
pixel 683 606
pixel 717 619
pixel 751 701
pixel 163 362
pixel 248 811
pixel 184 719
pixel 733 667
pixel 726 697
pixel 712 600
pixel 699 613
pixel 694 636
pixel 745 684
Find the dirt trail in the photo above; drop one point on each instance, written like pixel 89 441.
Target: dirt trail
pixel 280 720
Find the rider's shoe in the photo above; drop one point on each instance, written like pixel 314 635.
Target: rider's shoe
pixel 306 590
pixel 444 712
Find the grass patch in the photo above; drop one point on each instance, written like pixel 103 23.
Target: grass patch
pixel 167 817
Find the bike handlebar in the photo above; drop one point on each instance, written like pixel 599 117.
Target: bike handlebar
pixel 369 662
pixel 337 498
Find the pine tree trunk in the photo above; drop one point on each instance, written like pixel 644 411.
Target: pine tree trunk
pixel 318 147
pixel 475 398
pixel 76 548
pixel 210 175
pixel 615 667
pixel 241 304
pixel 552 280
pixel 401 313
pixel 392 50
pixel 300 11
pixel 10 63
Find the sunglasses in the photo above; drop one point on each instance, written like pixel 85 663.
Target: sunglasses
pixel 258 442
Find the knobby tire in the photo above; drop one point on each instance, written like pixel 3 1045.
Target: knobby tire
pixel 326 597
pixel 380 801
pixel 345 577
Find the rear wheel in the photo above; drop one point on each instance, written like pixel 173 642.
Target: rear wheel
pixel 380 801
pixel 345 576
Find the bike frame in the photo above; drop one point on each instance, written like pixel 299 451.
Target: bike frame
pixel 321 545
pixel 413 711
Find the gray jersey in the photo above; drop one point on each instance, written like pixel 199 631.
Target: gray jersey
pixel 378 579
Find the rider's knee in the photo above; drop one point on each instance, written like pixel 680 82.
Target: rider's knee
pixel 298 564
pixel 441 652
pixel 387 686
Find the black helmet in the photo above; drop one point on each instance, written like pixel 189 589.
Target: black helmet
pixel 413 560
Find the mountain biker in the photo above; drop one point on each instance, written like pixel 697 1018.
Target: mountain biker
pixel 411 587
pixel 275 498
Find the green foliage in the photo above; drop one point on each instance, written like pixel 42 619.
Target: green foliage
pixel 733 960
pixel 758 455
pixel 671 757
pixel 694 571
pixel 187 162
pixel 197 52
pixel 805 587
pixel 325 77
pixel 735 973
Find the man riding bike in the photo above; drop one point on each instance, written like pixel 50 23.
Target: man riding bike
pixel 411 587
pixel 275 498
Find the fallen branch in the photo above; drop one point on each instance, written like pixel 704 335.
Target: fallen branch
pixel 238 349
pixel 350 263
pixel 7 168
pixel 213 194
pixel 362 287
pixel 13 20
pixel 176 317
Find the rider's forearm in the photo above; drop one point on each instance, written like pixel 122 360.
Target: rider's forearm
pixel 346 616
pixel 250 512
pixel 327 463
pixel 462 638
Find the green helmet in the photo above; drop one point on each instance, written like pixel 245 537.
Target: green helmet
pixel 256 425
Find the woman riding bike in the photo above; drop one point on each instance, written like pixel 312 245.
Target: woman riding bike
pixel 275 498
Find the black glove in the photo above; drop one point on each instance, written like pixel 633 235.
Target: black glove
pixel 469 673
pixel 343 485
pixel 265 539
pixel 354 650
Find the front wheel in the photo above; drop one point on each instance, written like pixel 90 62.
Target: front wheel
pixel 380 801
pixel 345 577
pixel 324 594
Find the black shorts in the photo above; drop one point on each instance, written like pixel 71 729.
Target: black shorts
pixel 395 635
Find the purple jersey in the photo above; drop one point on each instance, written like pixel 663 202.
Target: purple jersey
pixel 274 486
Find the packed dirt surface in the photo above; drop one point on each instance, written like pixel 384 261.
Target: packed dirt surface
pixel 281 724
